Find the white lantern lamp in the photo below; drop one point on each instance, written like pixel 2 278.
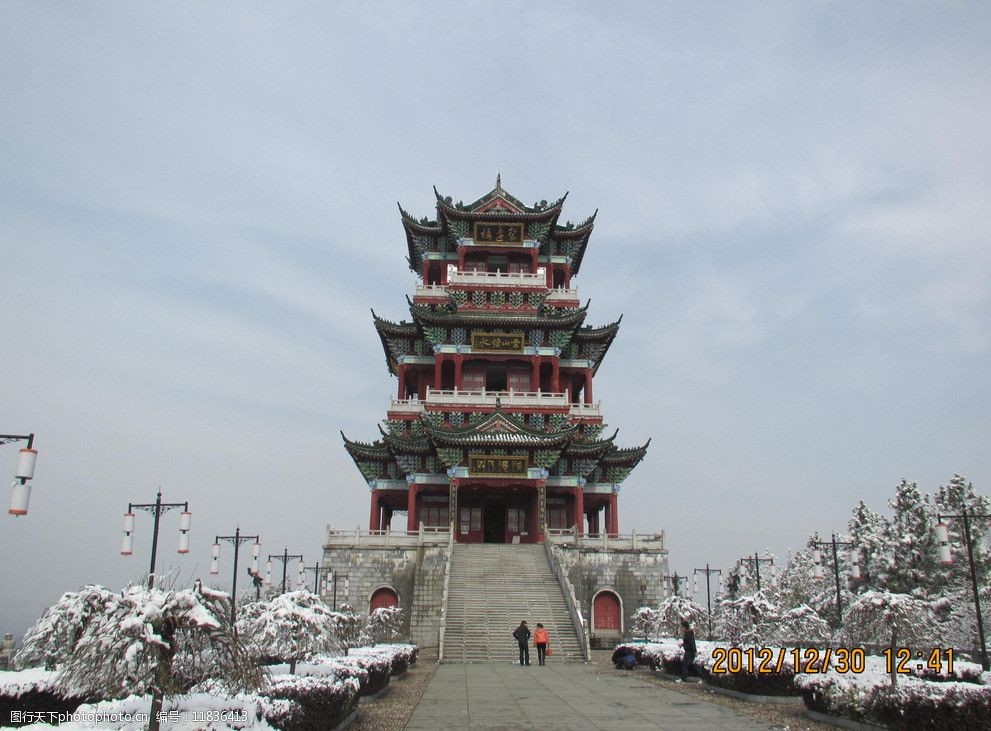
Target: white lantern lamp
pixel 185 518
pixel 854 557
pixel 215 562
pixel 127 545
pixel 20 494
pixel 268 571
pixel 817 572
pixel 943 539
pixel 255 553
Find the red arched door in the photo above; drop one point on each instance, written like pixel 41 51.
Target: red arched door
pixel 607 612
pixel 384 597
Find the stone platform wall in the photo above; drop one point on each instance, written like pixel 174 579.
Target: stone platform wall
pixel 637 575
pixel 415 572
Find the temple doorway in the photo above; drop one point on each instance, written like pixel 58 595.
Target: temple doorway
pixel 494 524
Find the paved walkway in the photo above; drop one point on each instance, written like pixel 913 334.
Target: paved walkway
pixel 503 696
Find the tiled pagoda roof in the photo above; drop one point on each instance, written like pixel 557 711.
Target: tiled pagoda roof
pixel 596 341
pixel 426 315
pixel 392 335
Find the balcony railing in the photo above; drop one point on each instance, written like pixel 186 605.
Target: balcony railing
pixel 507 399
pixel 489 398
pixel 561 294
pixel 536 280
pixel 632 541
pixel 430 290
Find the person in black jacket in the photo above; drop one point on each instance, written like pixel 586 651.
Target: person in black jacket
pixel 522 635
pixel 688 645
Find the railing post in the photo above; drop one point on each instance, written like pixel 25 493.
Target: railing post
pixel 633 538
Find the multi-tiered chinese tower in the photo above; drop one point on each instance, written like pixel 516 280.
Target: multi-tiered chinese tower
pixel 494 428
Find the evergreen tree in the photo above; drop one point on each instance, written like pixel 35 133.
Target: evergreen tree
pixel 951 499
pixel 912 538
pixel 868 532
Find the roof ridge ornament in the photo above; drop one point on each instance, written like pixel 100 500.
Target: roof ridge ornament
pixel 498 188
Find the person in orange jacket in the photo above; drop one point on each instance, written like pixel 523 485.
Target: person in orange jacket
pixel 542 640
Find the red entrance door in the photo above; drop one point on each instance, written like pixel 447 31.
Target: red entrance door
pixel 606 608
pixel 384 597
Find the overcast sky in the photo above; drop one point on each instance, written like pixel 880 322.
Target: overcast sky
pixel 198 209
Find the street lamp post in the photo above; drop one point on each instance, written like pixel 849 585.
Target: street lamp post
pixel 316 569
pixel 818 573
pixel 756 561
pixel 708 592
pixel 284 557
pixel 237 539
pixel 943 537
pixel 28 457
pixel 157 509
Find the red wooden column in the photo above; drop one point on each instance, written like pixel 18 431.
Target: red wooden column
pixel 613 512
pixel 533 260
pixel 593 521
pixel 402 382
pixel 458 384
pixel 588 385
pixel 461 258
pixel 556 375
pixel 579 510
pixel 411 523
pixel 535 374
pixel 373 521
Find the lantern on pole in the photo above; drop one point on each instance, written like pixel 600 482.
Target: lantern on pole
pixel 854 558
pixel 185 518
pixel 20 494
pixel 215 562
pixel 127 545
pixel 943 539
pixel 817 572
pixel 268 571
pixel 255 553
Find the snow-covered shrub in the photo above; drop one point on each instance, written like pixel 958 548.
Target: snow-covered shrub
pixel 35 690
pixel 748 620
pixel 379 668
pixel 673 610
pixel 157 641
pixel 400 656
pixel 713 663
pixel 914 704
pixel 289 628
pixel 349 628
pixel 326 702
pixel 193 710
pixel 51 640
pixel 645 621
pixel 384 625
pixel 894 620
pixel 801 627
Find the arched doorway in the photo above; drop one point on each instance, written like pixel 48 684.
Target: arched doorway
pixel 383 597
pixel 607 614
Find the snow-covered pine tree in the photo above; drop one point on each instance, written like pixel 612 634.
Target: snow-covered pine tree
pixel 950 499
pixel 869 533
pixel 291 627
pixel 911 535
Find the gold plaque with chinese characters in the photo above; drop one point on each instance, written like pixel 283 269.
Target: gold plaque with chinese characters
pixel 497 465
pixel 500 234
pixel 497 342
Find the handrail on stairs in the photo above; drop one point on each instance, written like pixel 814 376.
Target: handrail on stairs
pixel 443 601
pixel 569 597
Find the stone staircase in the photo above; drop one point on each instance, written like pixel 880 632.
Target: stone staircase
pixel 494 586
